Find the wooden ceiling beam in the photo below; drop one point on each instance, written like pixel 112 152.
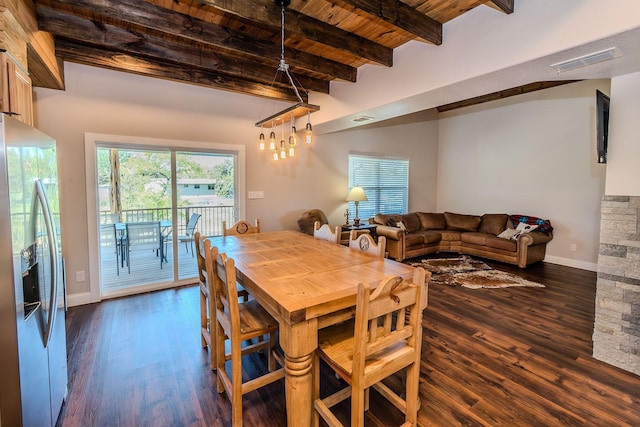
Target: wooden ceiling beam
pixel 97 57
pixel 266 12
pixel 402 16
pixel 519 90
pixel 504 5
pixel 185 52
pixel 149 15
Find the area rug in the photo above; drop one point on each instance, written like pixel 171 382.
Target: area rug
pixel 469 273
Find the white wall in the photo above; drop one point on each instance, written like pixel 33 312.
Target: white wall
pixel 109 102
pixel 532 154
pixel 623 173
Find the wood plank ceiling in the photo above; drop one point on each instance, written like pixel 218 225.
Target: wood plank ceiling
pixel 234 45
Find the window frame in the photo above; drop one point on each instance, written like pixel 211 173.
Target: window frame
pixel 370 181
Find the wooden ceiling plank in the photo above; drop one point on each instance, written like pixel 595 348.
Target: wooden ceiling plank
pixel 164 20
pixel 182 52
pixel 402 16
pixel 266 12
pixel 504 5
pixel 73 52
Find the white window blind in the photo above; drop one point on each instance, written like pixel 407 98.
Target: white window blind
pixel 384 181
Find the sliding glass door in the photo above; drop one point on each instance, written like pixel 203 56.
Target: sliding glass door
pixel 151 201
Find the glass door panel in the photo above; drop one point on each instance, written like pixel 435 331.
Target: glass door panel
pixel 205 184
pixel 134 198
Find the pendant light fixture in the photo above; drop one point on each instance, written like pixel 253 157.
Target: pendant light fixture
pixel 289 114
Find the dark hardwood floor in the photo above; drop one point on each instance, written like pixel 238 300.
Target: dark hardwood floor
pixel 512 357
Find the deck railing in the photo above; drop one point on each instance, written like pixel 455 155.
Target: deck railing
pixel 210 223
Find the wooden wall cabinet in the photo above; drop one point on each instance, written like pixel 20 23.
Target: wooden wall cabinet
pixel 17 97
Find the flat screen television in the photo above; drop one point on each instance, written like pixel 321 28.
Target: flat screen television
pixel 602 125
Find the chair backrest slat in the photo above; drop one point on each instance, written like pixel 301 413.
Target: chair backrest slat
pixel 325 232
pixel 366 243
pixel 381 320
pixel 241 227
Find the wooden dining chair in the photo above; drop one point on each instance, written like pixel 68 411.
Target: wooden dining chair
pixel 207 305
pixel 239 228
pixel 239 322
pixel 384 338
pixel 325 232
pixel 366 243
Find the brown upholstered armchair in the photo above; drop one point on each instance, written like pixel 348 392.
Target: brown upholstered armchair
pixel 309 218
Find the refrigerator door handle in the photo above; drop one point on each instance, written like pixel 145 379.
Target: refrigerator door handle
pixel 53 254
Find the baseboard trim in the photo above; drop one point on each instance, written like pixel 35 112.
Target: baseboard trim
pixel 82 298
pixel 568 262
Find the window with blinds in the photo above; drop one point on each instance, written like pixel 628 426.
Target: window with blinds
pixel 384 181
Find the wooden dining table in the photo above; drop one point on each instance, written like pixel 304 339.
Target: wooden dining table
pixel 305 284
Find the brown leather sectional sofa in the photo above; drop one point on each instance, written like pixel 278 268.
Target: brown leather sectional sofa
pixel 427 233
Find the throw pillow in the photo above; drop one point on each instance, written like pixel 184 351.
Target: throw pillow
pixel 509 233
pixel 523 227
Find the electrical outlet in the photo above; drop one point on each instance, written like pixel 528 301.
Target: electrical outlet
pixel 573 247
pixel 256 194
pixel 80 276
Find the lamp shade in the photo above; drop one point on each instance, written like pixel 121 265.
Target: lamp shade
pixel 357 195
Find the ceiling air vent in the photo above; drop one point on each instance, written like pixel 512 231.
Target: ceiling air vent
pixel 360 119
pixel 583 61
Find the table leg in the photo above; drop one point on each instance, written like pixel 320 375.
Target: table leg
pixel 298 342
pixel 298 389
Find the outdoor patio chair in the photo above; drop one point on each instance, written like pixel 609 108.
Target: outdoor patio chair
pixel 141 236
pixel 187 237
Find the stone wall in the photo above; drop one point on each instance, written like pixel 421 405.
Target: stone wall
pixel 616 336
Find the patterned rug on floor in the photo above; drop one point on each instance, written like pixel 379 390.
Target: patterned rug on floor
pixel 469 273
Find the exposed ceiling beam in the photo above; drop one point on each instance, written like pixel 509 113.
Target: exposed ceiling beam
pixel 531 87
pixel 181 51
pixel 504 5
pixel 74 52
pixel 402 16
pixel 148 15
pixel 266 12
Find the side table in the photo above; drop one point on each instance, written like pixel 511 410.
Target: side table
pixel 370 227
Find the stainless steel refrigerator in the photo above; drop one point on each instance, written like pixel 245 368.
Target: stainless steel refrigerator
pixel 33 354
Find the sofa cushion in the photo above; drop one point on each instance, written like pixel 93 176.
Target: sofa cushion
pixel 449 235
pixel 411 222
pixel 504 244
pixel 432 221
pixel 475 238
pixel 462 222
pixel 413 239
pixel 493 223
pixel 430 236
pixel 383 219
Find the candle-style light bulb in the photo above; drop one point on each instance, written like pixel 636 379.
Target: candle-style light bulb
pixel 261 141
pixel 308 132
